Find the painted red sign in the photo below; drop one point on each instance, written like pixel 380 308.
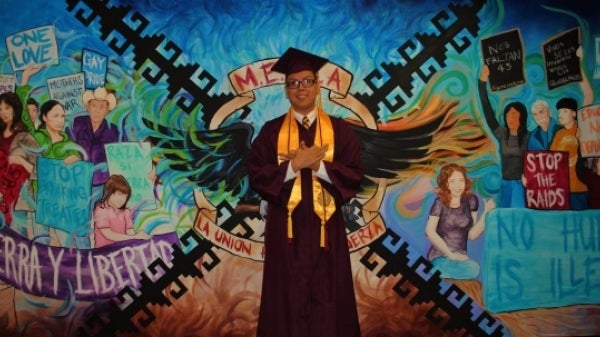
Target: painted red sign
pixel 547 179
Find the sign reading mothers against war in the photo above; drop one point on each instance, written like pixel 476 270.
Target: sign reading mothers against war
pixel 547 176
pixel 588 122
pixel 33 46
pixel 132 160
pixel 68 90
pixel 63 196
pixel 561 60
pixel 540 259
pixel 94 65
pixel 7 83
pixel 504 56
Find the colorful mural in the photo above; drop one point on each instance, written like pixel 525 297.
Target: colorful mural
pixel 126 206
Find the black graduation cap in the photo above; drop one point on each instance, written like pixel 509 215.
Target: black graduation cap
pixel 295 60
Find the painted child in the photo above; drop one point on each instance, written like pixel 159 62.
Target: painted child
pixel 113 221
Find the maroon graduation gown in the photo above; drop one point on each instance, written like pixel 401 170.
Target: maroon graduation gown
pixel 307 291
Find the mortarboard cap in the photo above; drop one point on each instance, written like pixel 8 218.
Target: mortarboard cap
pixel 568 103
pixel 295 60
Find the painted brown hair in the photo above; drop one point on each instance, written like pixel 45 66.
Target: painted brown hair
pixel 442 182
pixel 115 183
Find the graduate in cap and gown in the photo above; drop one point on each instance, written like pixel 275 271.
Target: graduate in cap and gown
pixel 305 164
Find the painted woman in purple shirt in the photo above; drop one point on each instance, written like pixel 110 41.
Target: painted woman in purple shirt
pixel 452 222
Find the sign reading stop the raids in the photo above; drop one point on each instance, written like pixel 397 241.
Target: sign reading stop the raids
pixel 547 179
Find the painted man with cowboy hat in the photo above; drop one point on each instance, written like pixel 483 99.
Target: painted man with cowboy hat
pixel 92 131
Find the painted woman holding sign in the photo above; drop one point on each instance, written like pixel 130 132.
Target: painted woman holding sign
pixel 512 138
pixel 54 144
pixel 19 148
pixel 50 133
pixel 452 222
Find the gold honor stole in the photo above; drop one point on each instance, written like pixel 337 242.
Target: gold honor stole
pixel 289 140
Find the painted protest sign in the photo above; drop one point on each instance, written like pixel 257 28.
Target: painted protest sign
pixel 68 90
pixel 33 46
pixel 93 66
pixel 588 122
pixel 540 259
pixel 503 54
pixel 12 177
pixel 86 274
pixel 7 83
pixel 560 57
pixel 133 161
pixel 63 196
pixel 547 176
pixel 597 63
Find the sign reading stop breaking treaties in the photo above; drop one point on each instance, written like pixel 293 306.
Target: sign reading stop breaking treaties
pixel 547 177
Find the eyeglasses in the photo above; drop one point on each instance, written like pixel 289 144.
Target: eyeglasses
pixel 306 83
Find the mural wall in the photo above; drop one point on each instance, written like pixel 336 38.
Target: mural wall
pixel 126 206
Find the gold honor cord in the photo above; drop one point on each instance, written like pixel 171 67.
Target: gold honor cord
pixel 289 140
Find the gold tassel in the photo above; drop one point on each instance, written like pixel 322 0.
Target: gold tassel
pixel 322 241
pixel 290 232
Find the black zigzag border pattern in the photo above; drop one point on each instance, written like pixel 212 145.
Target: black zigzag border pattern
pixel 428 284
pixel 153 55
pixel 152 291
pixel 431 53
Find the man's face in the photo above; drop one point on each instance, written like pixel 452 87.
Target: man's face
pixel 302 99
pixel 32 109
pixel 541 116
pixel 566 116
pixel 98 109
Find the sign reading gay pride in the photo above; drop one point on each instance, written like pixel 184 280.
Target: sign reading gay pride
pixel 132 160
pixel 540 259
pixel 94 67
pixel 33 46
pixel 63 196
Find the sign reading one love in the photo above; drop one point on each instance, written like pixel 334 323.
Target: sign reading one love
pixel 32 46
